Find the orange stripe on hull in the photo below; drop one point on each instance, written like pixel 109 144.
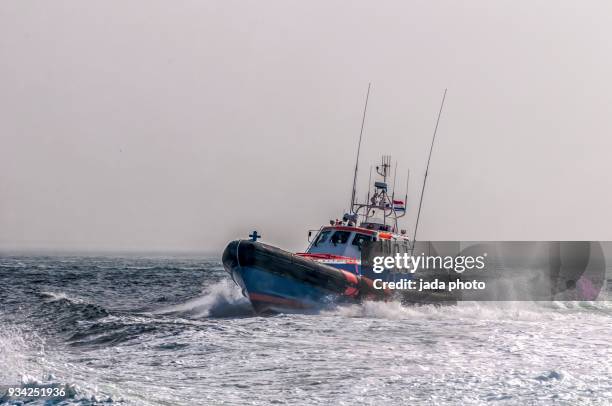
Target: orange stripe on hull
pixel 352 278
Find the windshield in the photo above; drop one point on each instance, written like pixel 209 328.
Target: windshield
pixel 340 237
pixel 322 237
pixel 360 239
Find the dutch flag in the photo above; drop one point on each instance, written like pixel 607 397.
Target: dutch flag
pixel 398 205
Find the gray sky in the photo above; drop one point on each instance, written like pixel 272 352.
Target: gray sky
pixel 150 125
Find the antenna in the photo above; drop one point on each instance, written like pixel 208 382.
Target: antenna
pixel 427 170
pixel 365 108
pixel 407 185
pixel 394 177
pixel 406 196
pixel 368 197
pixel 393 213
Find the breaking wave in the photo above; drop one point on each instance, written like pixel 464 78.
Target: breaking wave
pixel 511 311
pixel 221 299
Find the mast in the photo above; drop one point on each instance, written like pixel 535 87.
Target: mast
pixel 381 198
pixel 427 170
pixel 365 108
pixel 393 213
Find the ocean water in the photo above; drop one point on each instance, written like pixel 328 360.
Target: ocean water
pixel 176 331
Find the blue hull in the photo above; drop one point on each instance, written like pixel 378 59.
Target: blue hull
pixel 276 280
pixel 269 292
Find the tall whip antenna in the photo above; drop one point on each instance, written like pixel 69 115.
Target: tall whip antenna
pixel 365 108
pixel 406 196
pixel 427 170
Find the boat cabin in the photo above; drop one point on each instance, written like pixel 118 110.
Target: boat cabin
pixel 346 241
pixel 340 241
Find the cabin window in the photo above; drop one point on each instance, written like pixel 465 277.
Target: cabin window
pixel 323 236
pixel 340 237
pixel 360 239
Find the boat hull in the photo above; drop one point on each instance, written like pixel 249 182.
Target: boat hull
pixel 275 280
pixel 269 292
